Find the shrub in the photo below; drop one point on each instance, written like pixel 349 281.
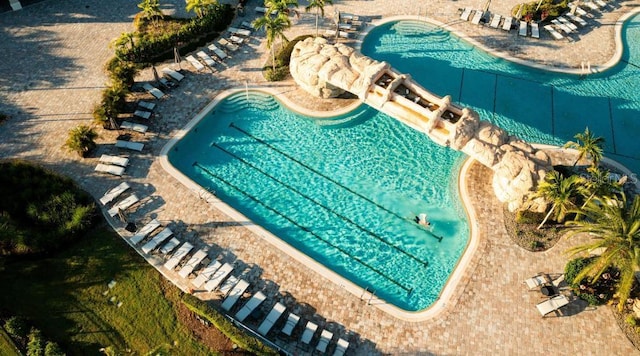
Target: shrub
pixel 35 346
pixel 53 349
pixel 277 74
pixel 121 72
pixel 596 293
pixel 528 217
pixel 547 8
pixel 16 327
pixel 631 320
pixel 82 140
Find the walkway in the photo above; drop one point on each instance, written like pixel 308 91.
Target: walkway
pixel 59 48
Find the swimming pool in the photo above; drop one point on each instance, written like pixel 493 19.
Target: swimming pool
pixel 535 105
pixel 343 191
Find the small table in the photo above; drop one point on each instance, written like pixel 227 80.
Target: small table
pixel 548 290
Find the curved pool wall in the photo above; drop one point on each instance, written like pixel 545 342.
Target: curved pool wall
pixel 526 99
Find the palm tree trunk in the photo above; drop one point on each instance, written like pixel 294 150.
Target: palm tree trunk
pixel 546 217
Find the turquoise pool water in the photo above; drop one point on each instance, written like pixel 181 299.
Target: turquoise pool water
pixel 343 191
pixel 538 106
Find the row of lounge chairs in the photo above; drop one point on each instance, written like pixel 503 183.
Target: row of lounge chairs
pixel 115 193
pixel 346 27
pixel 216 54
pixel 115 165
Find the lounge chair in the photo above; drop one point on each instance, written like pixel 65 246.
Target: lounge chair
pixel 552 304
pixel 136 146
pixel 555 34
pixel 523 28
pixel 341 347
pixel 173 74
pixel 569 24
pixel 236 39
pixel 227 285
pixel 235 294
pixel 309 331
pixel 495 21
pixel 344 26
pixel 170 246
pixel 157 93
pixel 325 339
pixel 601 4
pixel 506 25
pixel 591 5
pixel 247 25
pixel 178 256
pixel 466 13
pixel 206 273
pixel 477 17
pixel 143 114
pixel 250 306
pixel 146 105
pixel 157 240
pixel 218 277
pixel 272 318
pixel 291 323
pixel 113 193
pixel 193 262
pixel 218 52
pixel 111 169
pixel 535 30
pixel 580 11
pixel 263 10
pixel 207 60
pixel 127 125
pixel 144 231
pixel 577 19
pixel 123 205
pixel 117 160
pixel 232 47
pixel 195 63
pixel 537 281
pixel 239 32
pixel 564 28
pixel 332 33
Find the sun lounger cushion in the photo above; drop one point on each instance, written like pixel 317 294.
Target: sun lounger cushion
pixel 170 246
pixel 537 281
pixel 576 19
pixel 217 51
pixel 177 256
pixel 157 240
pixel 113 193
pixel 235 294
pixel 223 42
pixel 206 273
pixel 193 262
pixel 237 40
pixel 341 347
pixel 173 74
pixel 111 169
pixel 227 285
pixel 506 25
pixel 535 30
pixel 195 63
pixel 207 60
pixel 136 146
pixel 123 205
pixel 555 34
pixel 239 32
pixel 477 17
pixel 144 231
pixel 247 25
pixel 523 28
pixel 143 114
pixel 466 13
pixel 292 321
pixel 309 331
pixel 271 318
pixel 146 105
pixel 495 22
pixel 218 277
pixel 552 304
pixel 157 93
pixel 325 339
pixel 117 160
pixel 134 127
pixel 250 306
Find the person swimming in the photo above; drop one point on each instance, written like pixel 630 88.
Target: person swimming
pixel 421 219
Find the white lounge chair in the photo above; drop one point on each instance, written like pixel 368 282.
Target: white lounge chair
pixel 568 23
pixel 143 114
pixel 177 76
pixel 263 10
pixel 309 331
pixel 217 51
pixel 344 26
pixel 247 25
pixel 177 256
pixel 236 39
pixel 117 160
pixel 332 33
pixel 601 4
pixel 195 63
pixel 227 285
pixel 535 30
pixel 136 146
pixel 113 193
pixel 250 306
pixel 564 28
pixel 123 205
pixel 157 240
pixel 591 5
pixel 523 28
pixel 111 169
pixel 291 323
pixel 127 125
pixel 239 31
pixel 144 232
pixel 218 277
pixel 223 42
pixel 157 93
pixel 580 11
pixel 169 246
pixel 466 13
pixel 506 25
pixel 577 19
pixel 552 304
pixel 341 347
pixel 207 60
pixel 206 273
pixel 477 17
pixel 235 294
pixel 193 262
pixel 495 21
pixel 272 318
pixel 146 105
pixel 555 34
pixel 537 281
pixel 325 339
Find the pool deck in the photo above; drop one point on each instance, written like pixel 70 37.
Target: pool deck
pixel 60 48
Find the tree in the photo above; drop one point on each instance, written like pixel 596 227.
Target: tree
pixel 614 225
pixel 53 349
pixel 200 7
pixel 588 146
pixel 151 10
pixel 274 28
pixel 81 140
pixel 599 183
pixel 35 346
pixel 319 6
pixel 283 7
pixel 561 193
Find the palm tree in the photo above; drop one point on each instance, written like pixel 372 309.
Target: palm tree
pixel 588 146
pixel 615 227
pixel 599 183
pixel 561 192
pixel 274 28
pixel 81 140
pixel 319 6
pixel 151 10
pixel 282 7
pixel 200 7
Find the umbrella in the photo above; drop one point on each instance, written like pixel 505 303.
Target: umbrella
pixel 176 57
pixel 156 77
pixel 519 13
pixel 575 7
pixel 486 6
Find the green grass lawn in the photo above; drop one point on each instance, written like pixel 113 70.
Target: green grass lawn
pixel 64 296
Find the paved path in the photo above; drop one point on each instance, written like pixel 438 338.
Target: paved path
pixel 51 77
